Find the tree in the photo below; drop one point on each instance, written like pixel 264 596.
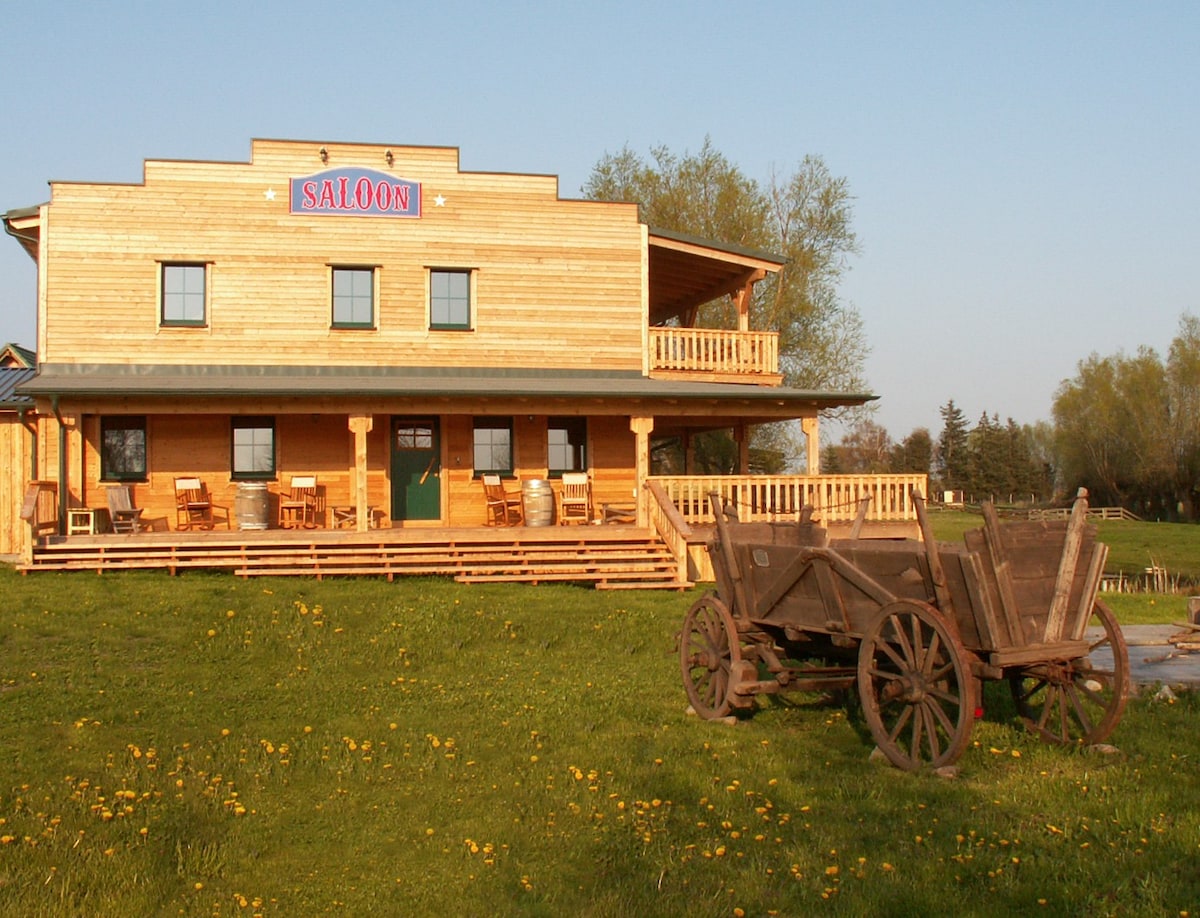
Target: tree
pixel 950 460
pixel 1128 427
pixel 914 453
pixel 804 216
pixel 866 448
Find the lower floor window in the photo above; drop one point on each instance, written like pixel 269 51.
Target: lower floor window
pixel 253 448
pixel 566 442
pixel 123 448
pixel 493 446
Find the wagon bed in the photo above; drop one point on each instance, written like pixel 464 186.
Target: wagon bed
pixel 916 624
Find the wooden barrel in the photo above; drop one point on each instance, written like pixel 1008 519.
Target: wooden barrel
pixel 537 496
pixel 251 505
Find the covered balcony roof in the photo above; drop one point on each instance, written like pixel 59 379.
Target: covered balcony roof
pixel 686 272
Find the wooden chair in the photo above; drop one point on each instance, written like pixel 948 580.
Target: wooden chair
pixel 125 517
pixel 194 507
pixel 575 501
pixel 298 507
pixel 503 509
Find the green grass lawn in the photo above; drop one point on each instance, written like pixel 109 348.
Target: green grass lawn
pixel 203 745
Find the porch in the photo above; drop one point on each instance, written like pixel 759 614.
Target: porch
pixel 668 552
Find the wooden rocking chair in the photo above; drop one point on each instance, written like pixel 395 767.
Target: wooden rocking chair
pixel 194 507
pixel 503 509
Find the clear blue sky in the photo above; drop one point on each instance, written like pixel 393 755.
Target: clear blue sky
pixel 1025 174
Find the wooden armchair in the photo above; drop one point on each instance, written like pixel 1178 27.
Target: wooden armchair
pixel 194 507
pixel 298 507
pixel 125 517
pixel 503 509
pixel 575 501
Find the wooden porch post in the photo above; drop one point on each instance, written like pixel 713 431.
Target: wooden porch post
pixel 642 427
pixel 812 433
pixel 360 425
pixel 741 436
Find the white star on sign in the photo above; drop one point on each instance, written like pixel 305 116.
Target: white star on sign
pixel 439 201
pixel 269 194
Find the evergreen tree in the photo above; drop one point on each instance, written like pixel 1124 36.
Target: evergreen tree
pixel 950 462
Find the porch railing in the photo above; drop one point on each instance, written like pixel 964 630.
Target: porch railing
pixel 714 352
pixel 834 498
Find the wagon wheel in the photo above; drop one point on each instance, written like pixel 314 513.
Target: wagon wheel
pixel 1082 700
pixel 708 648
pixel 915 682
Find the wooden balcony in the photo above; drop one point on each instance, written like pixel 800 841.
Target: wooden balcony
pixel 835 499
pixel 715 355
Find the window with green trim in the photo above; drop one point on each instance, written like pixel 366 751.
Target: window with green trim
pixel 183 294
pixel 253 448
pixel 449 299
pixel 123 448
pixel 354 297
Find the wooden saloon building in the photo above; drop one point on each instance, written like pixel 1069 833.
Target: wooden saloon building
pixel 371 330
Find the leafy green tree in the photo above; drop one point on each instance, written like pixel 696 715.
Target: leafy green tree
pixel 804 216
pixel 1128 427
pixel 914 453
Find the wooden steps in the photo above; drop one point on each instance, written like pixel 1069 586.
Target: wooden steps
pixel 612 557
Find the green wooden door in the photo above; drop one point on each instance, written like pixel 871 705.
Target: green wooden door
pixel 416 469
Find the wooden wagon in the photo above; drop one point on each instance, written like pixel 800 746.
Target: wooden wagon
pixel 917 625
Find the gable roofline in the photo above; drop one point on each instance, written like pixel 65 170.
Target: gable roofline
pixel 14 356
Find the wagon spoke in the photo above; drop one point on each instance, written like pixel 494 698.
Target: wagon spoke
pixel 931 733
pixel 932 655
pixel 1081 713
pixel 937 711
pixel 903 719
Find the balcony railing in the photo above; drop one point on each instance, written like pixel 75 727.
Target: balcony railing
pixel 715 354
pixel 834 498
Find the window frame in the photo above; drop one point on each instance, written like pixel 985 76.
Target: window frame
pixel 168 296
pixel 575 427
pixel 127 423
pixel 252 422
pixel 492 423
pixel 334 270
pixel 434 300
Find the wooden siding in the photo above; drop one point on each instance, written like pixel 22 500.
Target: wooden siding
pixel 555 282
pixel 16 444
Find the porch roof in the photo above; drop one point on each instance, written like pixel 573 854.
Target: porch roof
pixel 618 391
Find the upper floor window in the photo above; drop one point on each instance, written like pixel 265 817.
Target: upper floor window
pixel 183 294
pixel 449 299
pixel 566 442
pixel 253 448
pixel 493 446
pixel 123 448
pixel 354 297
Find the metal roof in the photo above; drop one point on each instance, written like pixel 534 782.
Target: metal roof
pixel 10 378
pixel 192 381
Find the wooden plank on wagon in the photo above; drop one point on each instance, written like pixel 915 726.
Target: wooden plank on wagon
pixel 1001 570
pixel 1090 587
pixel 1057 613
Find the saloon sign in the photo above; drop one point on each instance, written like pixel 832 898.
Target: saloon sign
pixel 355 193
